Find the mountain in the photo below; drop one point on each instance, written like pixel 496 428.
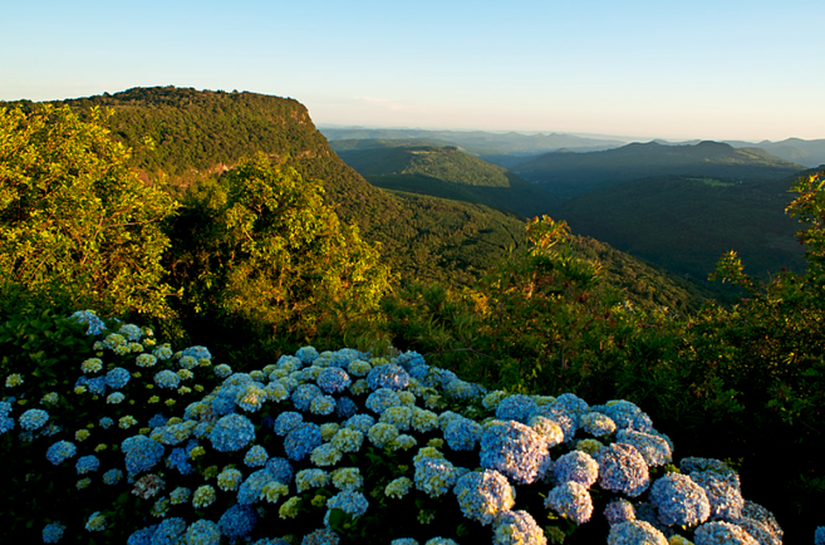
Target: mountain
pixel 810 153
pixel 571 174
pixel 686 223
pixel 446 172
pixel 425 238
pixel 503 149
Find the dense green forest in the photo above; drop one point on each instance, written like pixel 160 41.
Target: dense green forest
pixel 273 243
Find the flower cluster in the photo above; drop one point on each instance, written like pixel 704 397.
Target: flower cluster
pixel 326 443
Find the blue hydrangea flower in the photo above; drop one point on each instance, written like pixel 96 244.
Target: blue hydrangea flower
pixel 130 332
pixel 256 456
pixel 597 424
pixel 516 451
pixel 60 451
pixel 115 398
pixel 571 500
pixel 622 469
pixel 307 354
pixel 726 501
pixel 106 422
pixel 6 424
pixel 381 399
pixel 388 375
pixel 360 422
pixel 322 405
pixel 627 415
pixel 303 395
pixel 251 397
pixel 53 532
pixel 33 419
pixel 96 522
pixel 653 448
pixel 434 476
pixel 482 495
pixel 169 532
pixel 89 318
pixel 333 380
pixel 302 440
pixel 619 511
pixel 345 407
pixel 576 466
pixel 231 433
pixel 87 464
pixel 197 352
pixel 117 378
pixel 112 477
pixel 238 521
pixel 712 533
pixel 203 532
pixel 679 500
pixel 516 407
pixel 142 536
pixel 322 536
pixel 250 490
pixel 97 385
pixel 348 501
pixel 462 434
pixel 179 460
pixel 167 379
pixel 634 532
pixel 517 527
pixel 280 468
pixel 819 536
pixel 141 453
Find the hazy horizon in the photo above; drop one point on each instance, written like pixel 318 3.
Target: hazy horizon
pixel 705 70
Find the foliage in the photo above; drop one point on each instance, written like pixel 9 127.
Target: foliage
pixel 258 245
pixel 370 448
pixel 684 223
pixel 75 220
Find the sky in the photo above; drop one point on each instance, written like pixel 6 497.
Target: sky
pixel 715 70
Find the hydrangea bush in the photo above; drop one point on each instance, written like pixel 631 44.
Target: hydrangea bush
pixel 147 445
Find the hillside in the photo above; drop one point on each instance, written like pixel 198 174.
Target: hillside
pixel 444 172
pixel 810 153
pixel 571 174
pixel 425 238
pixel 686 223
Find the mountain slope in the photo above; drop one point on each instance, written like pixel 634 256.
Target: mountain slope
pixel 571 174
pixel 686 223
pixel 202 133
pixel 443 172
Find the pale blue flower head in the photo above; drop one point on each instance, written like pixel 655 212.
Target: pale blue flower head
pixel 482 495
pixel 679 500
pixel 231 433
pixel 388 375
pixel 516 451
pixel 622 469
pixel 634 532
pixel 238 521
pixel 60 451
pixel 571 500
pixel 33 419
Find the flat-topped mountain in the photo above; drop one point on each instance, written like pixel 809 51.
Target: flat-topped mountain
pixel 570 174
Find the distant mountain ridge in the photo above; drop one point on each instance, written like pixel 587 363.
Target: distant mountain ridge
pixel 446 172
pixel 571 174
pixel 503 149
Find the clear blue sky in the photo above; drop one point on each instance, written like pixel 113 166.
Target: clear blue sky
pixel 675 69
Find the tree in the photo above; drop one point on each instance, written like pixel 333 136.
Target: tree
pixel 75 220
pixel 259 244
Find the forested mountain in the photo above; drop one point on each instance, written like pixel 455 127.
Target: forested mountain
pixel 684 223
pixel 810 153
pixel 571 174
pixel 442 171
pixel 180 136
